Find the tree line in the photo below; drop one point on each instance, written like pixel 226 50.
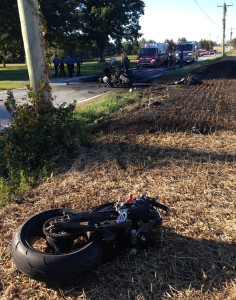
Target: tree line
pixel 92 28
pixel 74 25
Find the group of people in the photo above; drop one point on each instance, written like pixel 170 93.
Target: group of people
pixel 59 63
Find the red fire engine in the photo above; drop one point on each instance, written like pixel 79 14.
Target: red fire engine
pixel 152 55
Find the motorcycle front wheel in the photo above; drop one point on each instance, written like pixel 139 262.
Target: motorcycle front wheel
pixel 35 258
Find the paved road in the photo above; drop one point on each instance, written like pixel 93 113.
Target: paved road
pixel 81 89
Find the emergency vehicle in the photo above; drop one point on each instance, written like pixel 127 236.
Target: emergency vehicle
pixel 189 49
pixel 152 55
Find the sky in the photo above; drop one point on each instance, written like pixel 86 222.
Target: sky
pixel 192 19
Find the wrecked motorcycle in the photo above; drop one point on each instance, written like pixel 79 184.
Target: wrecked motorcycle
pixel 61 244
pixel 117 76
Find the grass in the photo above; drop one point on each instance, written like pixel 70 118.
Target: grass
pixel 192 255
pixel 107 107
pixel 111 105
pixel 14 72
pixel 16 75
pixel 192 68
pixel 9 85
pixel 13 76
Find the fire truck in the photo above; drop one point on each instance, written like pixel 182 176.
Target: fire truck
pixel 152 55
pixel 188 49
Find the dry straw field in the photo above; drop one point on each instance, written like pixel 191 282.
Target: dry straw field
pixel 152 149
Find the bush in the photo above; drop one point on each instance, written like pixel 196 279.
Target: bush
pixel 39 134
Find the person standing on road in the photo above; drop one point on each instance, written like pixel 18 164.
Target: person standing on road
pixel 62 67
pixel 170 61
pixel 181 58
pixel 56 64
pixel 70 63
pixel 125 61
pixel 79 62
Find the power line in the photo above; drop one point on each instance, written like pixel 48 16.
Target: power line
pixel 214 6
pixel 216 2
pixel 205 13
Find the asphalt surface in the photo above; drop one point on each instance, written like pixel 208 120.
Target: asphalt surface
pixel 80 89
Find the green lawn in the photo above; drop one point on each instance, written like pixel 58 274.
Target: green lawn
pixel 13 76
pixel 16 75
pixel 14 72
pixel 11 84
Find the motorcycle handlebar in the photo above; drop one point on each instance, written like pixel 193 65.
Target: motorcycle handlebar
pixel 154 202
pixel 161 206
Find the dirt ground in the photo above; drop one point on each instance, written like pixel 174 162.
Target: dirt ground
pixel 182 151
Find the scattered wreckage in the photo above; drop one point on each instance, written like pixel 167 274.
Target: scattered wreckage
pixel 189 80
pixel 117 74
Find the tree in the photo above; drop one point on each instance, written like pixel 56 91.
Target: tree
pixel 11 45
pixel 130 48
pixel 102 21
pixel 142 41
pixel 182 39
pixel 62 23
pixel 171 44
pixel 206 44
pixel 136 48
pixel 233 43
pixel 73 24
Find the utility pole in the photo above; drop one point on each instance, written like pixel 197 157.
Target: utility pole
pixel 231 33
pixel 224 15
pixel 33 45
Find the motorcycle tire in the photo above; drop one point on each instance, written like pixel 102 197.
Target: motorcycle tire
pixel 52 267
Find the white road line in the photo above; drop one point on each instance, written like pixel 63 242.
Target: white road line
pixel 78 101
pixel 85 100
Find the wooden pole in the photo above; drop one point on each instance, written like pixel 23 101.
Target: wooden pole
pixel 33 44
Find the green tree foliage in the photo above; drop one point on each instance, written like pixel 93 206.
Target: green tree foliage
pixel 102 21
pixel 206 44
pixel 182 39
pixel 130 48
pixel 72 24
pixel 62 22
pixel 11 45
pixel 171 44
pixel 233 43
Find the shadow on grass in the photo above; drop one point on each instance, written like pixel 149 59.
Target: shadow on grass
pixel 208 69
pixel 128 154
pixel 171 264
pixel 15 74
pixel 223 69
